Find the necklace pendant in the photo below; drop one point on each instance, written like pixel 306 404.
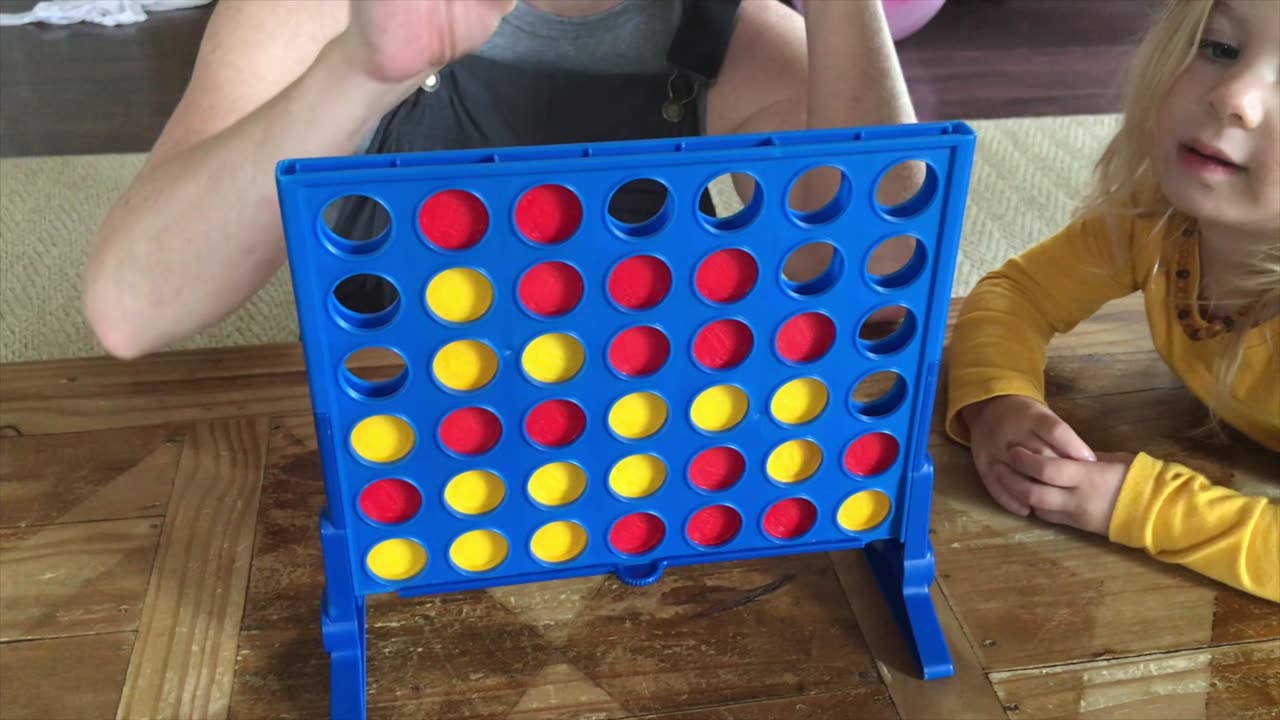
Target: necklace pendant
pixel 672 111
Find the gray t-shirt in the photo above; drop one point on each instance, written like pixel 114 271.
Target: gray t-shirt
pixel 630 38
pixel 547 79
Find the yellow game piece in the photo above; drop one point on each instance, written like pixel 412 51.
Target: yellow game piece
pixel 459 295
pixel 475 492
pixel 794 461
pixel 553 358
pixel 478 551
pixel 558 542
pixel 557 483
pixel 638 476
pixel 465 365
pixel 719 408
pixel 382 438
pixel 638 415
pixel 396 559
pixel 863 510
pixel 799 401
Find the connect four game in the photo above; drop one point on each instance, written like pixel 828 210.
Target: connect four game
pixel 576 393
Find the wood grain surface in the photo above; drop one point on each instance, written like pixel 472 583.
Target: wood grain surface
pixel 189 516
pixel 69 678
pixel 184 659
pixel 75 579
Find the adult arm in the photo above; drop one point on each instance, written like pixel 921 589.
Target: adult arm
pixel 198 233
pixel 834 67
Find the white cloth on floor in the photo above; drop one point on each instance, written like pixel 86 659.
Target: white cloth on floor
pixel 99 12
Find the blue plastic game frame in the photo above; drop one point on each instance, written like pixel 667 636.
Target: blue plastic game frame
pixel 898 549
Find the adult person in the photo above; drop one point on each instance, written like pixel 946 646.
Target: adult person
pixel 198 231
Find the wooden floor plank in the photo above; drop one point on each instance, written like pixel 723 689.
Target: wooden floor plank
pixel 287 576
pixel 1029 593
pixel 96 376
pixel 66 396
pixel 862 703
pixel 701 637
pixel 1241 682
pixel 964 696
pixel 72 678
pixel 75 579
pixel 1032 593
pixel 179 387
pixel 47 479
pixel 1093 374
pixel 184 659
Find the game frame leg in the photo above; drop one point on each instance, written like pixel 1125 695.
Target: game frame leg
pixel 904 568
pixel 904 572
pixel 342 625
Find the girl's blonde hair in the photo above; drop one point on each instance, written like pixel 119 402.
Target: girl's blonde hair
pixel 1125 185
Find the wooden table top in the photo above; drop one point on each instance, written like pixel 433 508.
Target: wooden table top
pixel 160 552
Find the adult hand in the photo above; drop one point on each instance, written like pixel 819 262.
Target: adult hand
pixel 397 41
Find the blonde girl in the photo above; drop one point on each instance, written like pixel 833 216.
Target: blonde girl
pixel 1185 209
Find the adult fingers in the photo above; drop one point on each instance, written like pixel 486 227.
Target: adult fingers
pixel 1060 437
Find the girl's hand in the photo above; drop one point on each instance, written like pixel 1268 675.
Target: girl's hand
pixel 1000 424
pixel 398 41
pixel 1070 492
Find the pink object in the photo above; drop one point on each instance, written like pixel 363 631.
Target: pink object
pixel 904 16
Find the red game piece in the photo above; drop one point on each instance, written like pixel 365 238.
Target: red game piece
pixel 639 351
pixel 726 276
pixel 555 423
pixel 871 454
pixel 637 533
pixel 723 344
pixel 714 525
pixel 550 289
pixel 639 282
pixel 548 214
pixel 390 501
pixel 790 518
pixel 453 219
pixel 806 337
pixel 717 468
pixel 470 431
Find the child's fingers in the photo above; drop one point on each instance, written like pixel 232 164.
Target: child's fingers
pixel 1059 435
pixel 1002 496
pixel 1032 442
pixel 1055 517
pixel 1053 471
pixel 1036 495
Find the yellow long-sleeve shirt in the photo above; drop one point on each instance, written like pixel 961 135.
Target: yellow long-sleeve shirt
pixel 1172 512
